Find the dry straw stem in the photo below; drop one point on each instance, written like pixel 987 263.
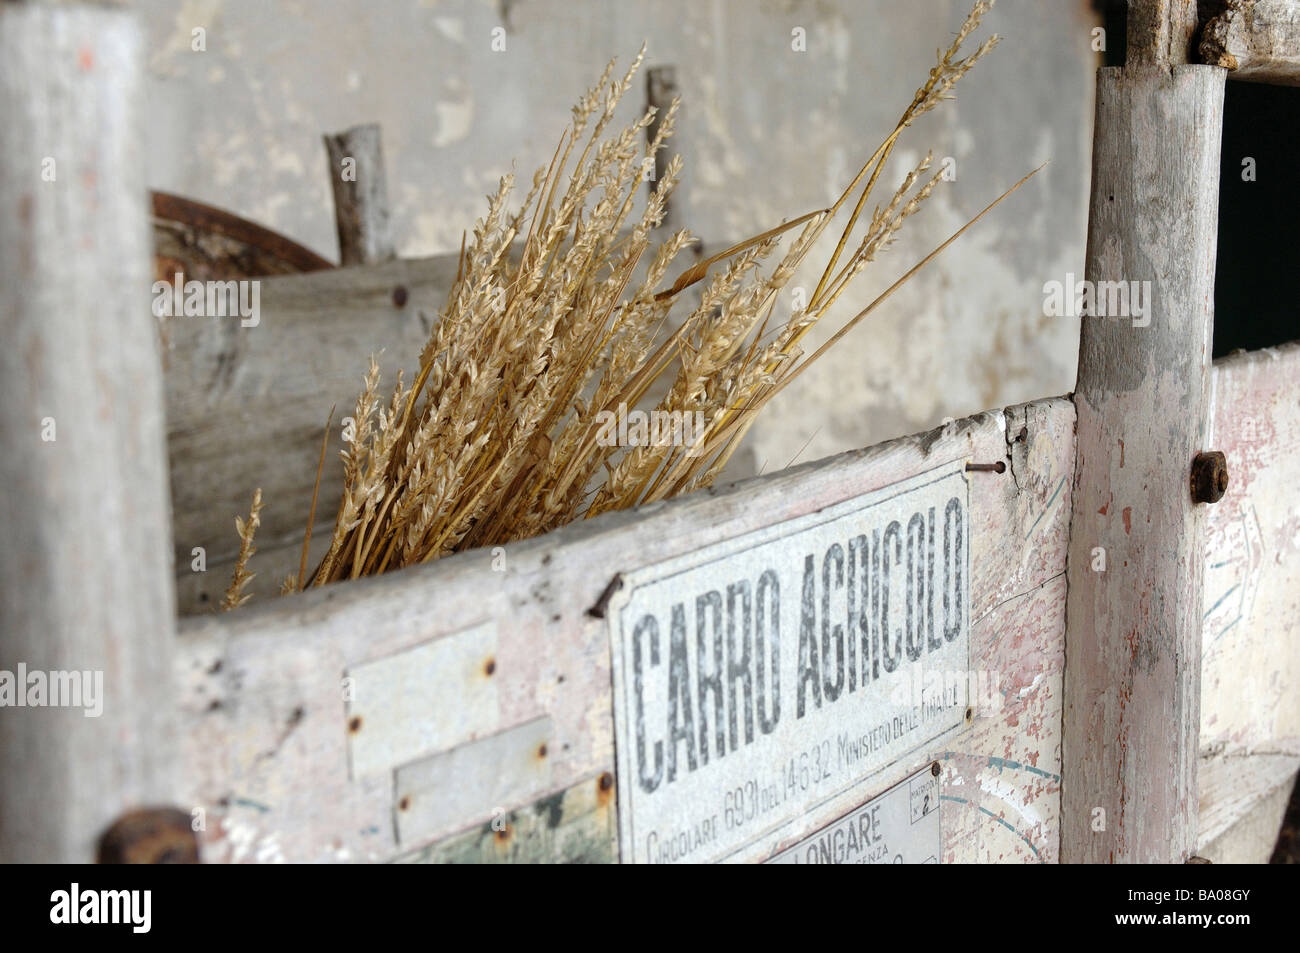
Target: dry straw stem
pixel 235 595
pixel 503 433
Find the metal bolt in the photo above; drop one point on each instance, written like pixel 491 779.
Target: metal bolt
pixel 1209 477
pixel 153 835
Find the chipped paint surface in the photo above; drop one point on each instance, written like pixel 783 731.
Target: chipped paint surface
pixel 1250 663
pixel 266 746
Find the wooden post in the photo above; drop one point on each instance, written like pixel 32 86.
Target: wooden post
pixel 86 597
pixel 1133 651
pixel 356 170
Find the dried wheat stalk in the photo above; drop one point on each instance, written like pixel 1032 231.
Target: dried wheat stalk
pixel 499 437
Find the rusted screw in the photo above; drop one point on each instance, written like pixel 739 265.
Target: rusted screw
pixel 399 296
pixel 1209 477
pixel 999 467
pixel 935 769
pixel 404 804
pixel 606 781
pixel 355 724
pixel 970 714
pixel 541 751
pixel 490 666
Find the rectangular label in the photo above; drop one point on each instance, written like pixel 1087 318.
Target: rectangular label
pixel 899 827
pixel 771 675
pixel 421 701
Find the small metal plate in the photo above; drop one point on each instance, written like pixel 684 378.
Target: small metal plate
pixel 900 826
pixel 424 700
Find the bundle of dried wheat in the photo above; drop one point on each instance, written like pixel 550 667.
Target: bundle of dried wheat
pixel 506 431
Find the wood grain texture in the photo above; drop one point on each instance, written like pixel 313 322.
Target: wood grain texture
pixel 246 407
pixel 356 171
pixel 1160 32
pixel 262 707
pixel 85 579
pixel 1250 636
pixel 1134 652
pixel 1257 40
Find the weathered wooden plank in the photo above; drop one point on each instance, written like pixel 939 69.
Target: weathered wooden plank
pixel 262 694
pixel 1133 662
pixel 1256 40
pixel 1160 32
pixel 85 581
pixel 246 407
pixel 1250 706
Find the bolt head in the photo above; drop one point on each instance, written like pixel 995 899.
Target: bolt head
pixel 1209 477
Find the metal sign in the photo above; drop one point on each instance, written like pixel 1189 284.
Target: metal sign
pixel 768 678
pixel 899 827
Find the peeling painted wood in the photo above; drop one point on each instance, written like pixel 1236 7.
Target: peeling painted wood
pixel 264 721
pixel 85 580
pixel 1132 686
pixel 1256 40
pixel 1250 635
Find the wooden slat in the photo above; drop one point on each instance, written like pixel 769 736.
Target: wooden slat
pixel 85 580
pixel 1257 40
pixel 1132 671
pixel 246 407
pixel 1250 684
pixel 266 724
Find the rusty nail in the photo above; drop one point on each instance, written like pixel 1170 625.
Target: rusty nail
pixel 355 724
pixel 404 804
pixel 598 610
pixel 503 833
pixel 490 666
pixel 152 835
pixel 606 781
pixel 541 751
pixel 399 296
pixel 935 769
pixel 999 467
pixel 970 714
pixel 1209 477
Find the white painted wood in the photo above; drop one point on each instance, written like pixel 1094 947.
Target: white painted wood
pixel 356 170
pixel 1256 40
pixel 85 579
pixel 1133 660
pixel 265 727
pixel 1250 636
